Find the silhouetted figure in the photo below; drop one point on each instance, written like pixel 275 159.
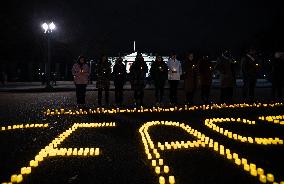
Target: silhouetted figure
pixel 277 76
pixel 3 77
pixel 174 74
pixel 226 67
pixel 81 74
pixel 138 72
pixel 250 69
pixel 190 78
pixel 53 78
pixel 205 72
pixel 103 72
pixel 119 74
pixel 159 74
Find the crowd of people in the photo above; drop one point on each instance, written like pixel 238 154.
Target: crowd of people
pixel 195 72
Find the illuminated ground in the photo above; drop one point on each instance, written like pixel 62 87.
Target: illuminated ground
pixel 122 157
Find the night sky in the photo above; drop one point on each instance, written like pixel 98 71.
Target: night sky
pixel 109 26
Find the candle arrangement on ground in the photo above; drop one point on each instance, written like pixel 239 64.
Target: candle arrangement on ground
pixel 156 151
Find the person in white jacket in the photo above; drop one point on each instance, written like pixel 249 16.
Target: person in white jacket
pixel 81 74
pixel 174 74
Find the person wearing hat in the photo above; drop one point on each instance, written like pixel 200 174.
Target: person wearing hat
pixel 81 72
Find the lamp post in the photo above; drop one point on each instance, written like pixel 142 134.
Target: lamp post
pixel 48 29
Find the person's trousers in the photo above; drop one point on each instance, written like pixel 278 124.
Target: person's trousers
pixel 81 93
pixel 226 95
pixel 205 93
pixel 159 92
pixel 139 95
pixel 173 90
pixel 189 95
pixel 118 94
pixel 100 94
pixel 248 89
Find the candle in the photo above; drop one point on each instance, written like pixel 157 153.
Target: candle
pixel 171 179
pixel 238 161
pixel 161 161
pixel 14 178
pixel 157 170
pixel 166 169
pixel 154 163
pixel 253 172
pixel 162 180
pixel 19 178
pixel 262 178
pixel 97 151
pixel 260 171
pixel 28 170
pixel 23 170
pixel 246 167
pixel 270 177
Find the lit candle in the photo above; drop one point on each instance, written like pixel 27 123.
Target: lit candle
pixel 162 180
pixel 260 171
pixel 157 170
pixel 154 163
pixel 19 178
pixel 262 178
pixel 161 161
pixel 246 167
pixel 14 178
pixel 171 179
pixel 166 169
pixel 270 177
pixel 253 172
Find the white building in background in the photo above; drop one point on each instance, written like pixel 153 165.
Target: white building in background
pixel 130 58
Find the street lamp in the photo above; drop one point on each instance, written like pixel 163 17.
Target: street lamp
pixel 48 29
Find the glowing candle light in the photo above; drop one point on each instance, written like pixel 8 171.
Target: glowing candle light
pixel 166 169
pixel 161 161
pixel 260 171
pixel 253 172
pixel 154 163
pixel 157 170
pixel 270 177
pixel 171 179
pixel 262 178
pixel 28 170
pixel 97 151
pixel 19 178
pixel 162 180
pixel 14 178
pixel 246 167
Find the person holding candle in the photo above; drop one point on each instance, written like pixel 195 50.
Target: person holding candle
pixel 81 72
pixel 226 67
pixel 205 70
pixel 138 72
pixel 103 79
pixel 190 78
pixel 250 68
pixel 174 74
pixel 119 74
pixel 159 74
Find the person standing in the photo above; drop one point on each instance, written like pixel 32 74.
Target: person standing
pixel 250 69
pixel 159 74
pixel 190 78
pixel 205 72
pixel 103 79
pixel 174 74
pixel 226 67
pixel 80 71
pixel 277 76
pixel 138 72
pixel 119 74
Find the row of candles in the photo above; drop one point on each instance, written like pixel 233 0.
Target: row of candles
pixel 22 126
pixel 273 119
pixel 211 123
pixel 52 149
pixel 202 140
pixel 98 110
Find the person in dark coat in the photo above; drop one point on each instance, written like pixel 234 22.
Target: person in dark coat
pixel 190 78
pixel 205 70
pixel 226 68
pixel 250 68
pixel 159 74
pixel 119 74
pixel 277 76
pixel 81 72
pixel 138 72
pixel 103 72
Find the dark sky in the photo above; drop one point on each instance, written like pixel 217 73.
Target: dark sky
pixel 91 27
